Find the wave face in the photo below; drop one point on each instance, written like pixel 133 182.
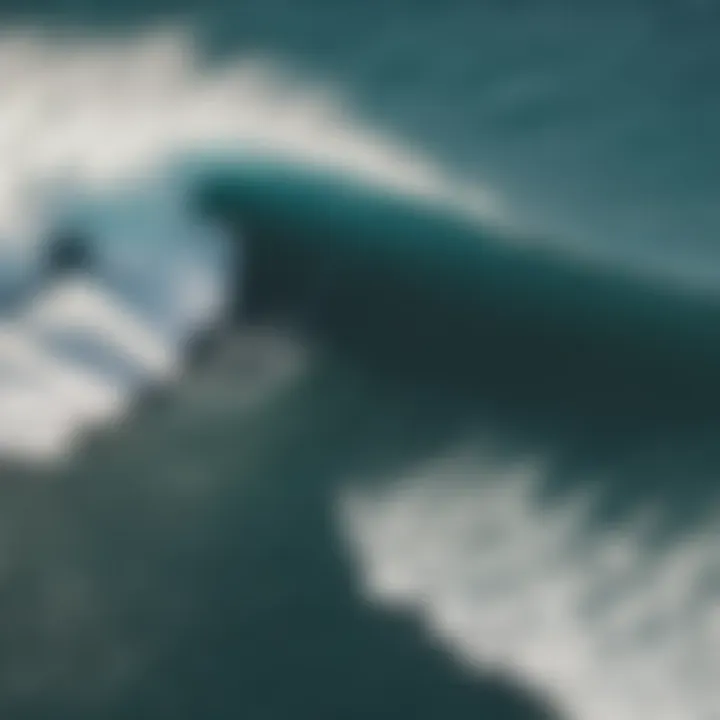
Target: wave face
pixel 432 294
pixel 435 467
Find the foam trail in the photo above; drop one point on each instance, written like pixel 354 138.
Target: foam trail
pixel 607 622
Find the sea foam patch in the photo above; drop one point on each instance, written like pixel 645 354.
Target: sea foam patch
pixel 605 623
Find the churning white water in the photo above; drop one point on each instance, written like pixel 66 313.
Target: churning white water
pixel 88 127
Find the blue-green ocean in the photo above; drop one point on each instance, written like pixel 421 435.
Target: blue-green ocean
pixel 483 482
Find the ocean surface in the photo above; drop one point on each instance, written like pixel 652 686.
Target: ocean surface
pixel 388 384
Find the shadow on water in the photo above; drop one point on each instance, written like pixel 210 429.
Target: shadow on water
pixel 613 371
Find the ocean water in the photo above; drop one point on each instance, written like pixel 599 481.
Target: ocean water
pixel 389 388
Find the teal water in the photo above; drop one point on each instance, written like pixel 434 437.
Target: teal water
pixel 192 562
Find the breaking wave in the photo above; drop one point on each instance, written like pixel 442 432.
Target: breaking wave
pixel 236 195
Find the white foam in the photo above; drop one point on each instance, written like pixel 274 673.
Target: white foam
pixel 84 121
pixel 77 350
pixel 82 310
pixel 603 623
pixel 98 110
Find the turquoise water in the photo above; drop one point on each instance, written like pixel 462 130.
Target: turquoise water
pixel 193 562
